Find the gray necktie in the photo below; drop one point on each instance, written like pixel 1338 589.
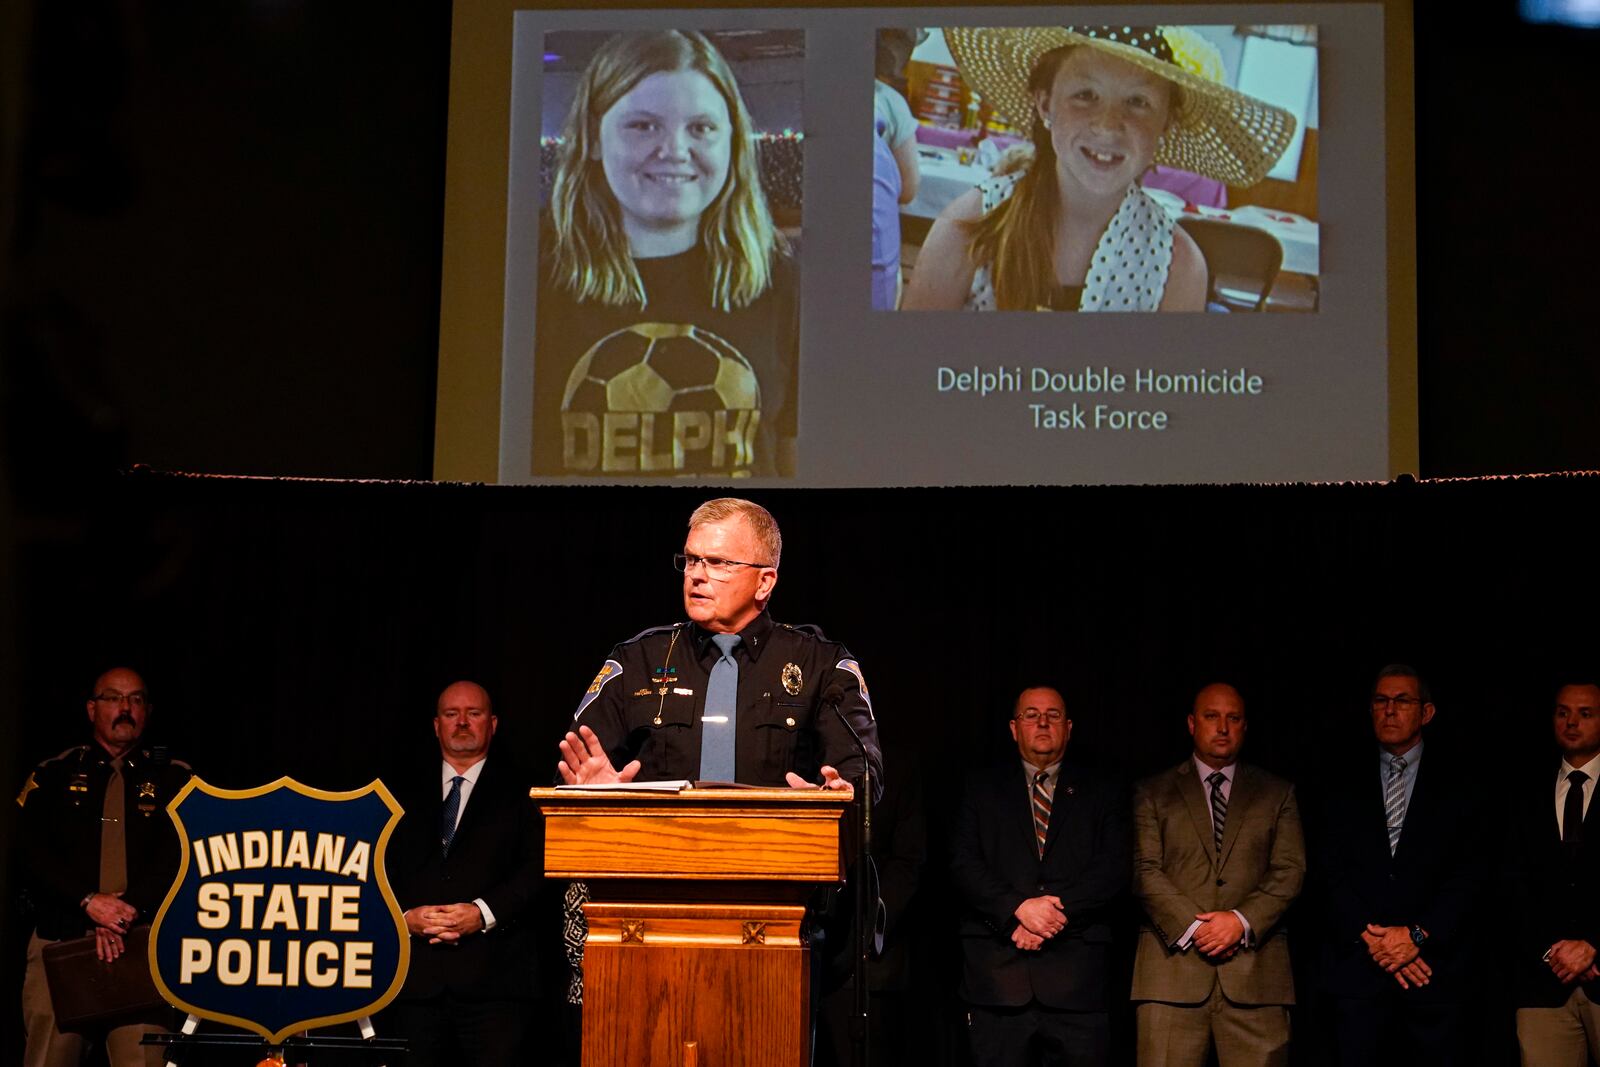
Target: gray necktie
pixel 722 703
pixel 1219 807
pixel 1394 801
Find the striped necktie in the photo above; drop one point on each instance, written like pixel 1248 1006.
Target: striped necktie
pixel 452 808
pixel 1394 801
pixel 1041 809
pixel 1219 807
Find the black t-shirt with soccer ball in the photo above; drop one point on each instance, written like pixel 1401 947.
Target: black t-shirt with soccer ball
pixel 675 388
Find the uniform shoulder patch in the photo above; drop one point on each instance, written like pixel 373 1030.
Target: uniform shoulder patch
pixel 642 634
pixel 609 670
pixel 855 668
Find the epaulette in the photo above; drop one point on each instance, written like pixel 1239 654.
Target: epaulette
pixel 809 629
pixel 642 634
pixel 160 756
pixel 75 752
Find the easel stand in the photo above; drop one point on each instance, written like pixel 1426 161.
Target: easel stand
pixel 366 1049
pixel 697 951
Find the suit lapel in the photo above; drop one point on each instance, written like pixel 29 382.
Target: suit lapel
pixel 1240 796
pixel 1194 798
pixel 1018 797
pixel 1060 806
pixel 1419 814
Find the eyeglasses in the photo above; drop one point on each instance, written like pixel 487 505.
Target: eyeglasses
pixel 716 567
pixel 1401 703
pixel 135 699
pixel 1034 715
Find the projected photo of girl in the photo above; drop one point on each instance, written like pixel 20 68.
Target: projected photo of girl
pixel 666 339
pixel 1070 214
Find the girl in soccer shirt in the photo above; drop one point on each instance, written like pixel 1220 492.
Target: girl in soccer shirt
pixel 666 337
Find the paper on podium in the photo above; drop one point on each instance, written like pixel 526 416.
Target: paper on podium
pixel 677 785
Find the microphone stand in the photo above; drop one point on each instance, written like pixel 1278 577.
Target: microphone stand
pixel 866 914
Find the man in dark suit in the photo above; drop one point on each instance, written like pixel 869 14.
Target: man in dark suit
pixel 1399 855
pixel 466 865
pixel 1039 851
pixel 1218 859
pixel 1555 874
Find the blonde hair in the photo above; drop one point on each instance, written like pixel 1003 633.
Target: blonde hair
pixel 590 252
pixel 762 524
pixel 1017 237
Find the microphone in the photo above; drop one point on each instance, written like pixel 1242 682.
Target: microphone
pixel 865 910
pixel 832 697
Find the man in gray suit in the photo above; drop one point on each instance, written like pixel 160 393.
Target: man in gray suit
pixel 1218 857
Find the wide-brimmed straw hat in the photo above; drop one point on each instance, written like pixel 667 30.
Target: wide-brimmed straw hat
pixel 1218 132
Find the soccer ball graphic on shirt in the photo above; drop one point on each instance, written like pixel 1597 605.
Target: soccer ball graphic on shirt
pixel 661 398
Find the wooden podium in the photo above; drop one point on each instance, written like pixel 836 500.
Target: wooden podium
pixel 697 953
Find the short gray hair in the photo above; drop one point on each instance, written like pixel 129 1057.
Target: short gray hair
pixel 1404 670
pixel 762 524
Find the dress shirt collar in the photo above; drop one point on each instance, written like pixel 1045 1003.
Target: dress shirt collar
pixel 470 774
pixel 1592 769
pixel 1205 770
pixel 753 638
pixel 1052 773
pixel 1412 756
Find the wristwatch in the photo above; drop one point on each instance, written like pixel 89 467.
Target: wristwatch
pixel 1419 936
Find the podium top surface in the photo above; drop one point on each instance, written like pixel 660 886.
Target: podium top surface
pixel 755 796
pixel 782 835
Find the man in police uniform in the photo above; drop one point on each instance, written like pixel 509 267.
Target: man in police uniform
pixel 729 695
pixel 101 855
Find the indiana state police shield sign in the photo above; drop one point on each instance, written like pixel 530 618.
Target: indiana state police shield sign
pixel 282 917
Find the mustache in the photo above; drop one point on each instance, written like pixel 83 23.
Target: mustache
pixel 123 717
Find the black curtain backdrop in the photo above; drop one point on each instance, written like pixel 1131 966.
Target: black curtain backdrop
pixel 304 628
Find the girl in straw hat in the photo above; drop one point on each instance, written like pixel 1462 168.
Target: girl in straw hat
pixel 1070 229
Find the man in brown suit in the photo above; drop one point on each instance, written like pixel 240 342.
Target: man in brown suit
pixel 1218 857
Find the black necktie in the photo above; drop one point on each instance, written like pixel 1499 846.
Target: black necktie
pixel 1572 812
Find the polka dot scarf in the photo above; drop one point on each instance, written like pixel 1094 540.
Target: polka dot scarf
pixel 1128 271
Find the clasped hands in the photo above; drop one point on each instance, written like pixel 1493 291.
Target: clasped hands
pixel 1038 920
pixel 444 923
pixel 584 762
pixel 1572 961
pixel 1392 949
pixel 1220 934
pixel 112 916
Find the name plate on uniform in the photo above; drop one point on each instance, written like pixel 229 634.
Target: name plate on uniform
pixel 281 917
